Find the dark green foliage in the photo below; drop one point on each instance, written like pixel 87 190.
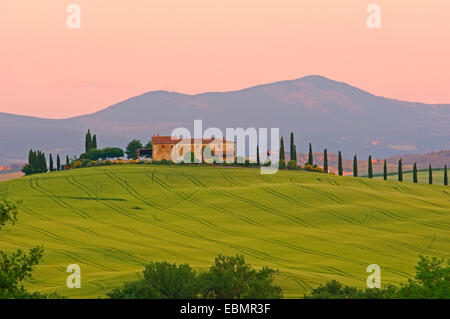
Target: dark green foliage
pixel 400 170
pixel 431 281
pixel 415 180
pixel 161 281
pixel 445 176
pixel 103 154
pixel 355 166
pixel 325 161
pixel 228 277
pixel 232 278
pixel 15 267
pixel 67 160
pixel 94 142
pixel 258 161
pixel 58 162
pixel 282 157
pixel 292 165
pixel 36 163
pixel 385 173
pixel 88 142
pixel 51 163
pixel 430 175
pixel 132 148
pixel 335 290
pixel 340 168
pixel 293 151
pixel 310 156
pixel 149 144
pixel 370 169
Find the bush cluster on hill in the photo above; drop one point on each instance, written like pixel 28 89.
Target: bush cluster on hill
pixel 227 278
pixel 432 281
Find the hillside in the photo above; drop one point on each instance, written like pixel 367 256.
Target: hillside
pixel 318 110
pixel 312 227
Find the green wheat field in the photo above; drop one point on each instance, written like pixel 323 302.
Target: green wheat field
pixel 312 227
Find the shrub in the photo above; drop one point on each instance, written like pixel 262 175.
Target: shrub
pixel 77 164
pixel 282 164
pixel 292 165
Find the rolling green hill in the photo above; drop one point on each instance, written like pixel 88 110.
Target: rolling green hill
pixel 312 227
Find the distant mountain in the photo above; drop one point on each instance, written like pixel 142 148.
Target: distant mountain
pixel 318 110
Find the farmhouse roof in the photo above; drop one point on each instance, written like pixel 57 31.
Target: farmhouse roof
pixel 174 140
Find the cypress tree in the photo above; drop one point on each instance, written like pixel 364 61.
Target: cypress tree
pixel 88 141
pixel 400 170
pixel 430 175
pixel 340 169
pixel 325 161
pixel 282 149
pixel 51 163
pixel 445 176
pixel 293 155
pixel 94 141
pixel 355 166
pixel 43 163
pixel 415 180
pixel 67 159
pixel 310 155
pixel 58 163
pixel 370 170
pixel 257 156
pixel 385 171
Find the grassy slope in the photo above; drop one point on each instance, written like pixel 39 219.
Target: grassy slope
pixel 312 227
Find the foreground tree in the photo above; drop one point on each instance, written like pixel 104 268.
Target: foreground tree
pixel 370 169
pixel 233 278
pixel 325 161
pixel 431 281
pixel 400 170
pixel 385 174
pixel 415 180
pixel 228 277
pixel 161 281
pixel 132 148
pixel 16 267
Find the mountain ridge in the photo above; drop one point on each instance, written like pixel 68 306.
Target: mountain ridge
pixel 317 109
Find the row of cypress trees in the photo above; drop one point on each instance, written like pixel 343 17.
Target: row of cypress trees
pixel 293 157
pixel 37 163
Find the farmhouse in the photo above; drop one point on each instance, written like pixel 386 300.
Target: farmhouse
pixel 162 147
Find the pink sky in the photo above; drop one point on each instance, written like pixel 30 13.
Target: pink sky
pixel 125 48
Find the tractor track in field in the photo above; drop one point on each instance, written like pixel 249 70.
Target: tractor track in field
pixel 58 201
pixel 131 216
pixel 203 204
pixel 154 205
pixel 333 256
pixel 231 180
pixel 303 284
pixel 265 208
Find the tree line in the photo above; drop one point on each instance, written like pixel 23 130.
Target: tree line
pixel 310 164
